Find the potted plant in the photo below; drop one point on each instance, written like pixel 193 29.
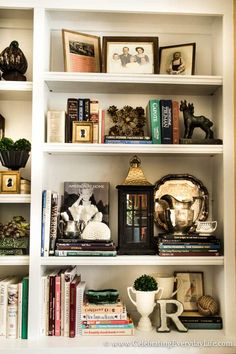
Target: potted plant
pixel 14 155
pixel 145 288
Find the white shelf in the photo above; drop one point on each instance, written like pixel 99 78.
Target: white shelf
pixel 16 90
pixel 14 260
pixel 135 83
pixel 132 260
pixel 15 198
pixel 110 149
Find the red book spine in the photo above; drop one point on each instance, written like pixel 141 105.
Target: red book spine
pixel 58 305
pixel 51 316
pixel 175 120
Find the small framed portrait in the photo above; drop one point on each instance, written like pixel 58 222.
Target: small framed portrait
pixel 190 289
pixel 82 132
pixel 10 181
pixel 126 55
pixel 82 52
pixel 178 59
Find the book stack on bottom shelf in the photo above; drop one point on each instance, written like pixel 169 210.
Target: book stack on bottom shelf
pixel 194 320
pixel 14 308
pixel 106 319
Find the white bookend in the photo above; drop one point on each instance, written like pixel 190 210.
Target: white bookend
pixel 56 126
pixel 12 311
pixel 80 289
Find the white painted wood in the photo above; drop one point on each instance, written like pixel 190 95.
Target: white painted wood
pixel 15 198
pixel 14 261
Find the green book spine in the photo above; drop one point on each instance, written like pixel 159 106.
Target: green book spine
pixel 24 321
pixel 155 121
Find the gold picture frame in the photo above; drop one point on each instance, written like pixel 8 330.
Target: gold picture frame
pixel 10 182
pixel 82 132
pixel 82 52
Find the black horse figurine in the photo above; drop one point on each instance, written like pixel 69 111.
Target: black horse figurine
pixel 191 121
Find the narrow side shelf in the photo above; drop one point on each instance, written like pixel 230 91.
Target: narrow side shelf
pixel 135 83
pixel 16 90
pixel 15 198
pixel 14 260
pixel 110 149
pixel 132 260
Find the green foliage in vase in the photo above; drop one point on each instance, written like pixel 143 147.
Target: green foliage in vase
pixel 128 121
pixel 7 144
pixel 145 283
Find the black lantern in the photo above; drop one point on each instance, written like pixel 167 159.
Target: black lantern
pixel 135 215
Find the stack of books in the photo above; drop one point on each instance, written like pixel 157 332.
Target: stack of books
pixel 106 319
pixel 194 320
pixel 188 245
pixel 75 247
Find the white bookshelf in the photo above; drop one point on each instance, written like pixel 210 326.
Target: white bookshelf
pixel 24 104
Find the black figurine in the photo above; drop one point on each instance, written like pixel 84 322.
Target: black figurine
pixel 13 63
pixel 191 121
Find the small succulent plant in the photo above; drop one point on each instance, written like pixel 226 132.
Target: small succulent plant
pixel 145 283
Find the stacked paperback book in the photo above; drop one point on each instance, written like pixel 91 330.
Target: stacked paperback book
pixel 106 319
pixel 188 245
pixel 74 247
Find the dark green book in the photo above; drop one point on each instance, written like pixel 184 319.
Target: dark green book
pixel 24 319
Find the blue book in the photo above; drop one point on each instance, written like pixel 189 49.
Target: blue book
pixel 43 222
pixel 166 122
pixel 124 141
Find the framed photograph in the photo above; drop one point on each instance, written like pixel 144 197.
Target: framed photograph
pixel 10 181
pixel 191 288
pixel 178 59
pixel 82 52
pixel 137 55
pixel 82 132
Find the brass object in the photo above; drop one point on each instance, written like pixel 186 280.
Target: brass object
pixel 135 175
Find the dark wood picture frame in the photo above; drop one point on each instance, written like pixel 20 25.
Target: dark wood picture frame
pixel 82 132
pixel 143 50
pixel 192 287
pixel 82 52
pixel 185 64
pixel 10 182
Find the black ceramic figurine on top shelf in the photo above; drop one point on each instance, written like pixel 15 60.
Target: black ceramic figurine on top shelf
pixel 191 122
pixel 13 63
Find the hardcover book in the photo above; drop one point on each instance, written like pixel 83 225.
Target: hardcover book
pixel 72 115
pixel 91 197
pixel 154 120
pixel 166 122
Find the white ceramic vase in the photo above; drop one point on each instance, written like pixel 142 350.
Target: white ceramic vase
pixel 145 303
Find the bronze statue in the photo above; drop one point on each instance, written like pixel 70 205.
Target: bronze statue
pixel 191 121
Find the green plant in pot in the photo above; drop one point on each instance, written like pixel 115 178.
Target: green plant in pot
pixel 14 155
pixel 145 288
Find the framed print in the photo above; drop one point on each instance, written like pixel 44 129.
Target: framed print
pixel 82 52
pixel 82 132
pixel 190 290
pixel 10 181
pixel 126 55
pixel 178 59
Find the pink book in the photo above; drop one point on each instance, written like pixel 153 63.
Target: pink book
pixel 58 304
